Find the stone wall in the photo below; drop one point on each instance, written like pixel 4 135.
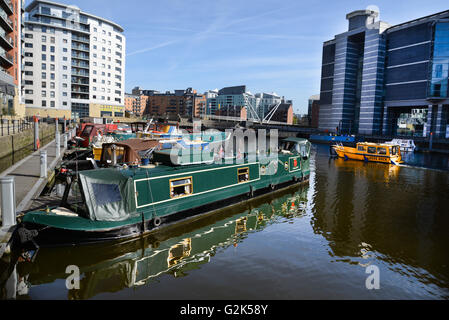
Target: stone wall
pixel 21 140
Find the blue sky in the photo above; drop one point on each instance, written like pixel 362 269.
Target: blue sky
pixel 270 46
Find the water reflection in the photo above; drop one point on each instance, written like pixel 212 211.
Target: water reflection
pixel 377 212
pixel 181 247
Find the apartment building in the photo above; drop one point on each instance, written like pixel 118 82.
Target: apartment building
pixel 178 103
pixel 11 18
pixel 136 103
pixel 74 63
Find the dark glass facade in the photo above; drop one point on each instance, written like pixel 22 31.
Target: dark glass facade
pixel 378 79
pixel 440 64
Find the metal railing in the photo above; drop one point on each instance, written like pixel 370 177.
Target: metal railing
pixel 9 127
pixel 6 55
pixel 5 17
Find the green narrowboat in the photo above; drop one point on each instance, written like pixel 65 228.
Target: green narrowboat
pixel 115 203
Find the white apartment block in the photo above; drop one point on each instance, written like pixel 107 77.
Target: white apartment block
pixel 74 63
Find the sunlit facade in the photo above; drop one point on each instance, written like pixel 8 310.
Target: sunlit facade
pixel 379 79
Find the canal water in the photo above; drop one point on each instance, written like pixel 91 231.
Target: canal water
pixel 315 241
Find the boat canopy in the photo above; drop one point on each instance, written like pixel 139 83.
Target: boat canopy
pixel 132 150
pixel 109 194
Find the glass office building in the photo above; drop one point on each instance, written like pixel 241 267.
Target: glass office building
pixel 382 79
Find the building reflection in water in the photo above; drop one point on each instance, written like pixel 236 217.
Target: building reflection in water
pixel 370 211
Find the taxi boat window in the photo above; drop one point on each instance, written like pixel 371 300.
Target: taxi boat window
pixel 181 187
pixel 371 149
pixel 394 150
pixel 361 148
pixel 243 175
pixel 381 150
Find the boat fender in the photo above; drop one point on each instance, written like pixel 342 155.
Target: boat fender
pixel 272 186
pixel 365 158
pixel 251 191
pixel 143 222
pixel 157 221
pixel 26 235
pixel 346 157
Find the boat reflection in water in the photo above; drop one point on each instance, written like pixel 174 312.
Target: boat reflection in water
pixel 179 248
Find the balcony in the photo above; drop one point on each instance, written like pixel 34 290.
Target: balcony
pixel 79 56
pixel 80 39
pixel 80 48
pixel 79 90
pixel 80 83
pixel 6 41
pixel 6 60
pixel 7 6
pixel 84 96
pixel 5 22
pixel 80 74
pixel 80 65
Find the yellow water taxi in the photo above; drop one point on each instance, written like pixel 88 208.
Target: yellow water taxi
pixel 370 152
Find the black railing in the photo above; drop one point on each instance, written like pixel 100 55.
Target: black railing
pixel 8 126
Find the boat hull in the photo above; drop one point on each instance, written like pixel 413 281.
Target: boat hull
pixel 29 233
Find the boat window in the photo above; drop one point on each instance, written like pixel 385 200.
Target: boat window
pixel 181 187
pixel 381 150
pixel 87 130
pixel 371 149
pixel 74 200
pixel 243 174
pixel 361 148
pixel 394 150
pixel 106 193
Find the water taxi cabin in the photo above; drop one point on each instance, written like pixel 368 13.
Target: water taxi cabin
pixel 368 151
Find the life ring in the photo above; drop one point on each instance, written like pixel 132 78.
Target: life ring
pixel 157 221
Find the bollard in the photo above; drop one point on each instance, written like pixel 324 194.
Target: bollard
pixel 43 157
pixel 36 133
pixel 8 196
pixel 431 141
pixel 57 144
pixel 65 140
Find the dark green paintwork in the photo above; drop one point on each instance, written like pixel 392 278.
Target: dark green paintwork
pixel 211 183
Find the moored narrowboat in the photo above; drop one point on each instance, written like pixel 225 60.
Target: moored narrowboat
pixel 373 152
pixel 113 203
